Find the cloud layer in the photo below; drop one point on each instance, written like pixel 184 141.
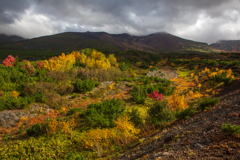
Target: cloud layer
pixel 206 21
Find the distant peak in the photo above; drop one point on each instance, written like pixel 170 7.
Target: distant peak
pixel 161 33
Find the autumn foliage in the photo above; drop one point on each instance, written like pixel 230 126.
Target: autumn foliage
pixel 95 60
pixel 29 68
pixel 100 139
pixel 60 63
pixel 9 61
pixel 156 96
pixel 40 65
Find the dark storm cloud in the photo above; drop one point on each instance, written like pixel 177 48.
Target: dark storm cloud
pixel 10 10
pixel 201 20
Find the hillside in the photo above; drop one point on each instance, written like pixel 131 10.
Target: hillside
pixel 86 105
pixel 13 38
pixel 66 42
pixel 227 45
pixel 199 137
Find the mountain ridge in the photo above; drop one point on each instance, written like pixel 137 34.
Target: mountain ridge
pixel 156 42
pixel 10 38
pixel 227 45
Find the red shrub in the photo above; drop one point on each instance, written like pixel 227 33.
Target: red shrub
pixel 156 96
pixel 40 65
pixel 9 61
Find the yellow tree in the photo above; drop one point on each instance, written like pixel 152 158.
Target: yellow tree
pixel 112 59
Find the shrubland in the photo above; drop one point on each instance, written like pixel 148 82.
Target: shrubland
pixel 102 120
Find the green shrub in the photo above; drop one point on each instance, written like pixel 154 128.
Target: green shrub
pixel 146 80
pixel 124 67
pixel 83 87
pixel 40 97
pixel 135 117
pixel 185 113
pixel 126 79
pixel 144 66
pixel 159 113
pixel 72 156
pixel 103 114
pixel 153 68
pixel 227 63
pixel 36 130
pixel 128 85
pixel 139 94
pixel 74 95
pixel 196 89
pixel 74 110
pixel 224 63
pixel 79 64
pixel 221 78
pixel 233 129
pixel 9 102
pixel 86 51
pixel 41 147
pixel 166 91
pixel 207 103
pixel 211 63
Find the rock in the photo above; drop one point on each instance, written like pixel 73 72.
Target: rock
pixel 15 118
pixel 68 97
pixel 208 141
pixel 11 124
pixel 11 117
pixel 158 154
pixel 48 110
pixel 165 154
pixel 168 139
pixel 2 122
pixel 198 146
pixel 152 156
pixel 32 115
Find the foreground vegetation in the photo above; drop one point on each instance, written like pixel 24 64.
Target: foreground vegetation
pixel 92 118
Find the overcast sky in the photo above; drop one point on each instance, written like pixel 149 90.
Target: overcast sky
pixel 199 20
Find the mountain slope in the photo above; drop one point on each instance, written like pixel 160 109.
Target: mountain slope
pixel 227 45
pixel 200 137
pixel 159 42
pixel 5 38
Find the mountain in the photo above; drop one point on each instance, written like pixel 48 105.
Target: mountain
pixel 5 38
pixel 227 45
pixel 158 42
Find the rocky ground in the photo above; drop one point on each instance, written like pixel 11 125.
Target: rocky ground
pixel 200 137
pixel 10 118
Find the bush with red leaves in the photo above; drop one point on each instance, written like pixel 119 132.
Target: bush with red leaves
pixel 156 96
pixel 40 65
pixel 9 61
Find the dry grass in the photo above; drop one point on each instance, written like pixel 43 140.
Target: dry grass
pixel 63 77
pixel 54 100
pixel 64 89
pixel 101 75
